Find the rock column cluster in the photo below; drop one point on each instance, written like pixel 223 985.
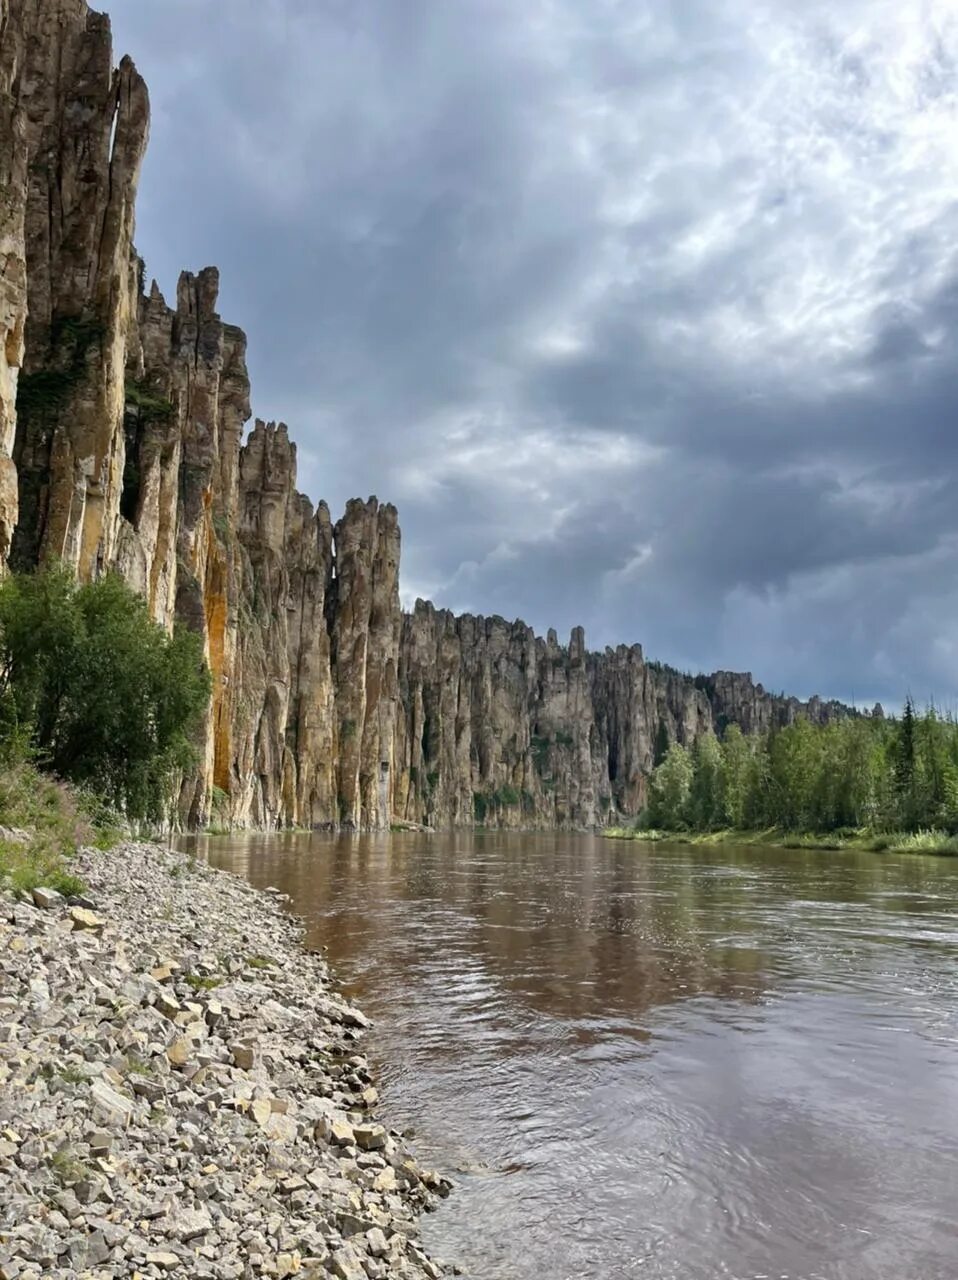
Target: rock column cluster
pixel 502 727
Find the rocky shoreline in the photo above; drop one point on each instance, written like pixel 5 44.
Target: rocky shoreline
pixel 182 1092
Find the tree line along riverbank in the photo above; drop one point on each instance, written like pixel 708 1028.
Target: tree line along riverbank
pixel 884 784
pixel 863 840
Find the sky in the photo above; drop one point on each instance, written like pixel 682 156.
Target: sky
pixel 643 312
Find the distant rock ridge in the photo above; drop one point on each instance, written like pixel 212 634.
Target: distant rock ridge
pixel 121 447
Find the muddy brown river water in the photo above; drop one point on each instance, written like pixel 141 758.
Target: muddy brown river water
pixel 654 1061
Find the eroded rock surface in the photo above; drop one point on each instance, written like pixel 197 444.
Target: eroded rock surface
pixel 502 727
pixel 84 126
pixel 13 262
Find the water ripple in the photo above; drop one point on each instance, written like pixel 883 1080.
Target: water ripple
pixel 649 1061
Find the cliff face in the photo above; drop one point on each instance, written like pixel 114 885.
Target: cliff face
pixel 13 258
pixel 84 129
pixel 122 423
pixel 503 727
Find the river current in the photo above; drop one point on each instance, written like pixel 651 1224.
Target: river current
pixel 648 1060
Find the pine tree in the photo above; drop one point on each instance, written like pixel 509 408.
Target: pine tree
pixel 661 748
pixel 904 769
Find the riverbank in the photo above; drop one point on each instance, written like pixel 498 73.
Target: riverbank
pixel 182 1091
pixel 933 842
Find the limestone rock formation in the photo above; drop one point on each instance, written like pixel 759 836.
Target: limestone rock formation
pixel 13 260
pixel 85 127
pixel 505 728
pixel 122 424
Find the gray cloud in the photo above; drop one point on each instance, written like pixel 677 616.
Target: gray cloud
pixel 646 316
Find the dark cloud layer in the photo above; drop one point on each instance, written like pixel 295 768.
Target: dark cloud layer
pixel 645 315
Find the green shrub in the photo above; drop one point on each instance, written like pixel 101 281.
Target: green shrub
pixel 506 796
pixel 925 842
pixel 108 699
pixel 44 393
pixel 221 527
pixel 202 984
pixel 53 824
pixel 539 746
pixel 146 403
pixel 33 864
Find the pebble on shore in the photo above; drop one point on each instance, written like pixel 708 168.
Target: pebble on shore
pixel 182 1092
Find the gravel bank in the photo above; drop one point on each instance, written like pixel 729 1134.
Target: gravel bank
pixel 182 1092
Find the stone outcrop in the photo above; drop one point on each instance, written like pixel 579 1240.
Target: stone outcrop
pixel 13 259
pixel 84 126
pixel 122 423
pixel 503 727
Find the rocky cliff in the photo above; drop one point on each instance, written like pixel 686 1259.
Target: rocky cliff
pixel 13 259
pixel 500 726
pixel 122 423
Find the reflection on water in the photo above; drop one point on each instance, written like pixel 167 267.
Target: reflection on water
pixel 654 1061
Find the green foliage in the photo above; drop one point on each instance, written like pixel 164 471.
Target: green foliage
pixel 108 826
pixel 138 1066
pixel 506 797
pixel 662 743
pixel 53 823
pixel 144 406
pixel 143 401
pixel 67 1167
pixel 202 984
pixel 670 790
pixel 736 776
pixel 539 746
pixel 44 392
pixel 108 698
pixel 28 865
pixel 847 777
pixel 706 802
pixel 221 527
pixel 705 684
pixel 925 842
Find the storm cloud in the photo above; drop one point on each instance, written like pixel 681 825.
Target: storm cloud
pixel 645 315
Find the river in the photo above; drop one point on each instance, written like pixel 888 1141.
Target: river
pixel 656 1061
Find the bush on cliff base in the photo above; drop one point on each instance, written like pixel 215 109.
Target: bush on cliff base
pixel 100 694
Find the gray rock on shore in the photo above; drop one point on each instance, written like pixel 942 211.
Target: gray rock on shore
pixel 182 1093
